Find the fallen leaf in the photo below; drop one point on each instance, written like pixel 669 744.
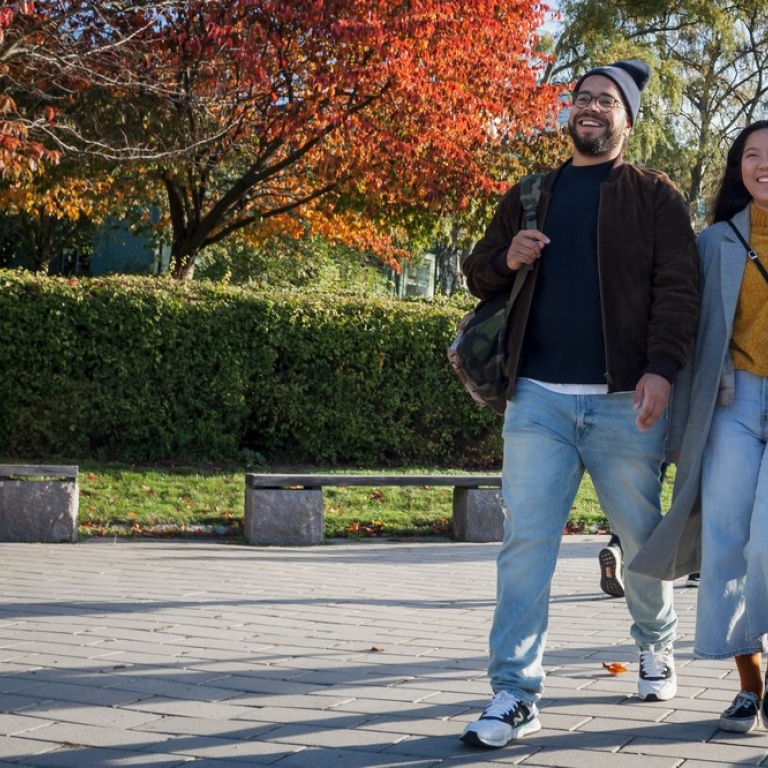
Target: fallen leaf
pixel 615 668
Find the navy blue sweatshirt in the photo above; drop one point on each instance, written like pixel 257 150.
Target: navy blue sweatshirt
pixel 564 340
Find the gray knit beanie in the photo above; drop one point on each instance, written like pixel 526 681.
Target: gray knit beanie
pixel 630 76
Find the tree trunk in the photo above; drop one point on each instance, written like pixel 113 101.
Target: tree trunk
pixel 449 255
pixel 182 261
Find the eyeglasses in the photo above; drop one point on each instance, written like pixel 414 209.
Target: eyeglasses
pixel 605 103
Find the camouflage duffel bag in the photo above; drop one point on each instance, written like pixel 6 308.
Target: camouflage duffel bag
pixel 479 352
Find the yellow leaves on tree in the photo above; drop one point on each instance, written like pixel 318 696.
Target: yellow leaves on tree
pixel 67 197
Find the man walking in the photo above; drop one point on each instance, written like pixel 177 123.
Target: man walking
pixel 603 324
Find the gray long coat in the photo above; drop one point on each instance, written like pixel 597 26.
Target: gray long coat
pixel 674 548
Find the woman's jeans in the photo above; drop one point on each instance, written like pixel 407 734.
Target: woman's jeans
pixel 549 440
pixel 732 611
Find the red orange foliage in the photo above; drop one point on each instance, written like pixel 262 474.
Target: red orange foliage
pixel 271 115
pixel 20 154
pixel 362 104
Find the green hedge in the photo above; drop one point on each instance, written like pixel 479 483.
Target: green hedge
pixel 141 369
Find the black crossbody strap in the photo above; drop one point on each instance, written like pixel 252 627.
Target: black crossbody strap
pixel 750 252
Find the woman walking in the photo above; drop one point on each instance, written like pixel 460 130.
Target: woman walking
pixel 719 435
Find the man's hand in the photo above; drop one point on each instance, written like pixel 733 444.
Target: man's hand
pixel 525 247
pixel 651 398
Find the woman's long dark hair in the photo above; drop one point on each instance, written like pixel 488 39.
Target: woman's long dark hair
pixel 732 195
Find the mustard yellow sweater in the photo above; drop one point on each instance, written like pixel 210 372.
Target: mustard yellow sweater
pixel 749 344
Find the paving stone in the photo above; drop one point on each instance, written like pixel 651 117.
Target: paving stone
pixel 20 748
pixel 226 749
pixel 97 736
pixel 736 749
pixel 218 656
pixel 198 726
pixel 74 712
pixel 85 757
pixel 344 758
pixel 552 757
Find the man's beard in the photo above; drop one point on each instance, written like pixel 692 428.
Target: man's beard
pixel 597 146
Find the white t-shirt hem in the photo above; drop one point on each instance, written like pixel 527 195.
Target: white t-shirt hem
pixel 572 389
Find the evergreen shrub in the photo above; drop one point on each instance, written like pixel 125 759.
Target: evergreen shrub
pixel 145 369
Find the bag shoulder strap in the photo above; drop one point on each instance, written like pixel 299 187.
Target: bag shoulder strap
pixel 530 190
pixel 750 252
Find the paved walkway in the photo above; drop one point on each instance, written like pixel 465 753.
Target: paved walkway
pixel 350 655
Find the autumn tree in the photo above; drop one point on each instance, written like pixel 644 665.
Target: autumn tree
pixel 56 209
pixel 20 151
pixel 53 175
pixel 455 232
pixel 334 112
pixel 49 51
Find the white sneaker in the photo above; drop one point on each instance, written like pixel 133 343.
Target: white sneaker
pixel 658 681
pixel 504 719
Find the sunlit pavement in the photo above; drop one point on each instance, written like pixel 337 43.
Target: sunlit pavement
pixel 370 654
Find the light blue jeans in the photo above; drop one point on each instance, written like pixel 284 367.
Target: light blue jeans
pixel 732 611
pixel 549 441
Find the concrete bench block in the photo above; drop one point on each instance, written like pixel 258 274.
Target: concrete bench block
pixel 38 504
pixel 284 517
pixel 478 514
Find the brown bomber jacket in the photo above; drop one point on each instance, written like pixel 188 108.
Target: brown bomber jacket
pixel 648 267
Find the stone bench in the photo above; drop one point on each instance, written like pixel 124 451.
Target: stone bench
pixel 287 509
pixel 38 503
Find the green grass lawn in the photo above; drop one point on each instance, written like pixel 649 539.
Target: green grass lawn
pixel 208 501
